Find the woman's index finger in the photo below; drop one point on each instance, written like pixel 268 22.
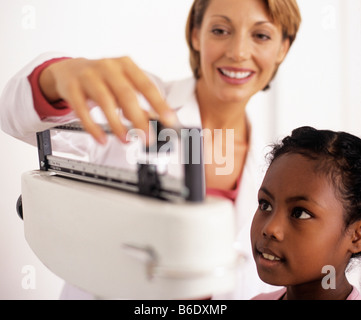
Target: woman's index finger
pixel 151 93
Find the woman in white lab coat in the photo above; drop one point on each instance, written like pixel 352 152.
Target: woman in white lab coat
pixel 236 47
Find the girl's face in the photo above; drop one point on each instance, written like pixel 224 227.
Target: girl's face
pixel 240 48
pixel 298 227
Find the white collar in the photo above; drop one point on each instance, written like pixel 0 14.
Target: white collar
pixel 181 96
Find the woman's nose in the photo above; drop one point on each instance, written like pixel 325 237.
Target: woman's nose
pixel 239 49
pixel 274 227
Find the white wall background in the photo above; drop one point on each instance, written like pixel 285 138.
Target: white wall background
pixel 317 85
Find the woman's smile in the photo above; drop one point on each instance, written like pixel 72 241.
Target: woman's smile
pixel 236 76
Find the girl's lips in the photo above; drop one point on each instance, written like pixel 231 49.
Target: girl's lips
pixel 269 255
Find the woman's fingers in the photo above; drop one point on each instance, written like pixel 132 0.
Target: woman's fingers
pixel 78 101
pixel 149 90
pixel 112 84
pixel 96 89
pixel 123 96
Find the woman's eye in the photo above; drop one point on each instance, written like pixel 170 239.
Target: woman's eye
pixel 219 32
pixel 265 206
pixel 300 213
pixel 263 37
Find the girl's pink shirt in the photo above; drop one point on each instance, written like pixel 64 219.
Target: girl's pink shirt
pixel 277 295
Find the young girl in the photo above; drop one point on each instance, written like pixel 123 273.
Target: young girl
pixel 309 216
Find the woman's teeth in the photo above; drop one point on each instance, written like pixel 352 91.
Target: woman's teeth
pixel 270 257
pixel 236 75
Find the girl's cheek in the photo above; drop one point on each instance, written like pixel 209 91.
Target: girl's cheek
pixel 256 226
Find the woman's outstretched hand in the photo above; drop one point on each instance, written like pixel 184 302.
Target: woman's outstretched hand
pixel 112 84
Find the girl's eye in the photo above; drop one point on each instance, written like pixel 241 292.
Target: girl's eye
pixel 265 206
pixel 300 213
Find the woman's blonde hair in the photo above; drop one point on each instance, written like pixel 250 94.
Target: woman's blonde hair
pixel 286 13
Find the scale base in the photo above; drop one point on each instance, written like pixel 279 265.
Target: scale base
pixel 119 245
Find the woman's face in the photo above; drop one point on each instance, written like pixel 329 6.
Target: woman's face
pixel 298 227
pixel 240 48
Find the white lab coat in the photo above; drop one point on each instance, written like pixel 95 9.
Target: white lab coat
pixel 20 120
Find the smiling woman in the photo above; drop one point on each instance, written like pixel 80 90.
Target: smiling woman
pixel 236 48
pixel 235 51
pixel 284 13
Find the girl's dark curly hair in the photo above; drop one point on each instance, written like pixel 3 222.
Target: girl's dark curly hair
pixel 338 156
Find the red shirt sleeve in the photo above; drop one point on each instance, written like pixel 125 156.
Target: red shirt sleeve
pixel 42 106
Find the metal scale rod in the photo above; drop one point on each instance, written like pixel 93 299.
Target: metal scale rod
pixel 146 181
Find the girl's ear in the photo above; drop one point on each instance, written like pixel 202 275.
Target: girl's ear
pixel 356 238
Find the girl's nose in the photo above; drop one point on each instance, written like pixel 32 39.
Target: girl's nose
pixel 274 227
pixel 239 49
